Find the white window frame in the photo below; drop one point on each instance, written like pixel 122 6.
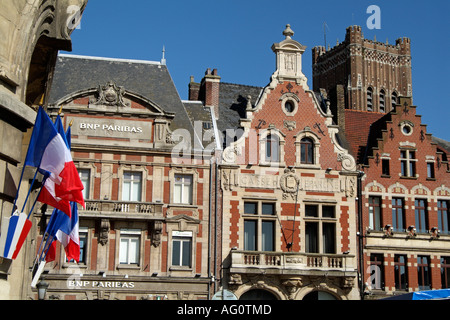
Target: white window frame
pixel 133 180
pixel 127 236
pixel 182 237
pixel 180 180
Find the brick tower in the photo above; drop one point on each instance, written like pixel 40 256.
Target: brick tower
pixel 372 74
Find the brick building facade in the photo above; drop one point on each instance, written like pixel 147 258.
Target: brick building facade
pixel 145 229
pixel 403 217
pixel 288 188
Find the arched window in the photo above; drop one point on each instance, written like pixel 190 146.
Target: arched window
pixel 394 99
pixel 382 101
pixel 272 148
pixel 307 151
pixel 369 99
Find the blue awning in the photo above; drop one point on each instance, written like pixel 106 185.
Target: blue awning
pixel 423 295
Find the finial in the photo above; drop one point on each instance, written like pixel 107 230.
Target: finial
pixel 60 110
pixel 41 102
pixel 288 33
pixel 71 123
pixel 163 60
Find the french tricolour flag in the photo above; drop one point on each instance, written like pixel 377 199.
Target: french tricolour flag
pixel 14 230
pixel 61 227
pixel 48 151
pixel 66 231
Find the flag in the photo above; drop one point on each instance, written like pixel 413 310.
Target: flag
pixel 48 151
pixel 14 230
pixel 61 227
pixel 66 230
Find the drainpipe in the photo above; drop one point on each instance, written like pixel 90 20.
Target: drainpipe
pixel 209 226
pixel 360 236
pixel 215 222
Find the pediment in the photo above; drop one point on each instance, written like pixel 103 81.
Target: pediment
pixel 111 98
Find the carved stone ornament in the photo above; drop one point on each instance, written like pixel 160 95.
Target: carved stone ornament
pixel 290 125
pixel 156 233
pixel 110 95
pixel 348 162
pixel 104 231
pixel 289 183
pixel 292 285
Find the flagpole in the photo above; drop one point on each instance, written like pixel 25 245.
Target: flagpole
pixel 29 191
pixel 37 197
pixel 41 103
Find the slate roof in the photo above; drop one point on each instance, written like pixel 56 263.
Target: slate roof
pixel 233 100
pixel 147 78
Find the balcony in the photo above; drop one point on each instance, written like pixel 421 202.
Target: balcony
pixel 122 210
pixel 292 263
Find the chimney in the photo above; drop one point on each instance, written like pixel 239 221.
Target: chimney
pixel 210 86
pixel 194 90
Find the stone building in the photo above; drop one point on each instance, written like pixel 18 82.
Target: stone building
pixel 288 187
pixel 31 33
pixel 148 180
pixel 403 220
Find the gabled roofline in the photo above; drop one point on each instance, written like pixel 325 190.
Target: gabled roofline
pixel 76 56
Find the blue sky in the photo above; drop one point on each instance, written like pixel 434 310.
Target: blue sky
pixel 236 38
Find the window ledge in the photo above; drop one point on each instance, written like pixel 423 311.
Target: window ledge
pixel 182 205
pixel 408 178
pixel 74 265
pixel 128 266
pixel 180 268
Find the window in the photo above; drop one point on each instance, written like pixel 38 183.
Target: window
pixel 385 170
pixel 182 191
pixel 320 228
pixel 289 106
pixel 382 101
pixel 408 163
pixel 307 151
pixel 129 246
pixel 377 271
pixel 312 237
pixel 272 148
pixel 445 272
pixel 85 177
pixel 430 170
pixel 443 216
pixel 250 235
pixel 369 99
pixel 398 214
pixel 182 249
pixel 423 272
pixel 394 98
pixel 259 226
pixel 83 236
pixel 421 215
pixel 132 186
pixel 400 272
pixel 375 213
